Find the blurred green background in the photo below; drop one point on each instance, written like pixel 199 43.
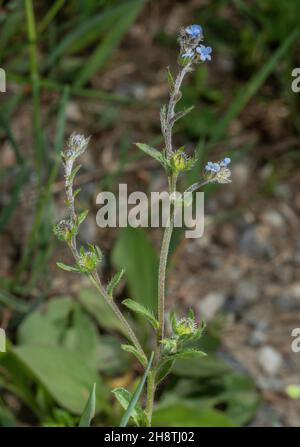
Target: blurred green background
pixel 99 67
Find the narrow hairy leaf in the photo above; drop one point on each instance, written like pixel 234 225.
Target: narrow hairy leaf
pixel 136 353
pixel 182 113
pixel 114 282
pixel 89 409
pixel 67 268
pixel 73 173
pixel 82 216
pixel 136 396
pixel 154 153
pixel 170 79
pixel 189 354
pixel 140 309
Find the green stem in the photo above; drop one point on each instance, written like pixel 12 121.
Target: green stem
pixel 150 395
pixel 162 273
pixel 94 278
pixel 34 72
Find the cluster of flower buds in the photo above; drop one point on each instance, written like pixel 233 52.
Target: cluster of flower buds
pixel 183 330
pixel 76 146
pixel 218 171
pixel 89 259
pixel 191 48
pixel 180 161
pixel 64 230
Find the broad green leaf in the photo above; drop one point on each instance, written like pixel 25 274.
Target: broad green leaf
pixel 89 410
pixel 47 324
pixel 209 366
pixel 134 400
pixel 136 353
pixel 63 374
pixel 188 414
pixel 124 397
pixel 134 252
pixel 141 310
pixel 114 282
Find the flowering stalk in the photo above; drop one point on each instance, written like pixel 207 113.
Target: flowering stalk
pixel 191 52
pixel 86 261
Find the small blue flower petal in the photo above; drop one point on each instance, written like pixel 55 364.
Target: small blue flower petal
pixel 212 167
pixel 225 162
pixel 204 52
pixel 194 31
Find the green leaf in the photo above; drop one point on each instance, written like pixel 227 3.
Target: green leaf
pixel 136 396
pixel 170 79
pixel 73 173
pixel 67 268
pixel 201 368
pixel 189 354
pixel 163 370
pixel 140 309
pixel 124 397
pixel 182 113
pixel 136 353
pixel 141 267
pixel 63 374
pixel 179 413
pixel 89 410
pixel 82 216
pixel 114 282
pixel 154 153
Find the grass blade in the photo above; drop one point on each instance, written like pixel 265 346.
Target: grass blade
pixel 104 50
pixel 89 409
pixel 137 393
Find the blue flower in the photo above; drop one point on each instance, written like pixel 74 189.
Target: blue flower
pixel 212 167
pixel 189 54
pixel 204 52
pixel 225 162
pixel 194 31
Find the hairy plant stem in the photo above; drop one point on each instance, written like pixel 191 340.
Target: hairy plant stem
pixel 167 128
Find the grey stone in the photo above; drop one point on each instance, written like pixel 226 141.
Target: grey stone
pixel 270 360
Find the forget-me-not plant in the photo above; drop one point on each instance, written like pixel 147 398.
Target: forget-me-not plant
pixel 175 161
